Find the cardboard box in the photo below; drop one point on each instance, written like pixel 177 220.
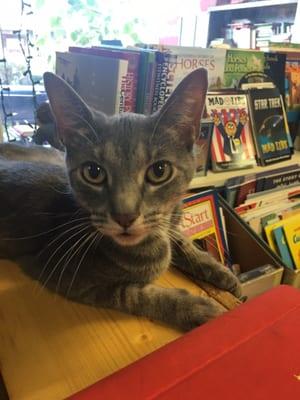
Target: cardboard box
pixel 250 251
pixel 291 277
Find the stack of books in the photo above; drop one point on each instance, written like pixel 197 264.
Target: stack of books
pixel 244 128
pixel 275 216
pixel 140 79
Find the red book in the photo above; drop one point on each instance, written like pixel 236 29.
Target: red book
pixel 133 58
pixel 250 353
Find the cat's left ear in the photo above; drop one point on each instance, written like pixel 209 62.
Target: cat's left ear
pixel 69 109
pixel 182 112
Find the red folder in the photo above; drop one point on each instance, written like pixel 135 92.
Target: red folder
pixel 252 352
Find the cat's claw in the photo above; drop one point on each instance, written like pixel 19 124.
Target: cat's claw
pixel 223 278
pixel 203 310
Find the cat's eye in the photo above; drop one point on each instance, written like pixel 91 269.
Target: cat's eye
pixel 93 173
pixel 159 172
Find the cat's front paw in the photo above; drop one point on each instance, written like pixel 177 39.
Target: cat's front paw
pixel 223 278
pixel 197 310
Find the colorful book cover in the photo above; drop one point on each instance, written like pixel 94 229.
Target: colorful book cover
pixel 283 248
pixel 291 229
pixel 268 229
pixel 202 148
pixel 240 62
pixel 103 91
pixel 176 62
pixel 292 70
pixel 269 125
pixel 133 58
pixel 232 145
pixel 201 221
pixel 190 58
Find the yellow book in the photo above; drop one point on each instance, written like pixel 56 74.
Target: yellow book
pixel 291 227
pixel 269 231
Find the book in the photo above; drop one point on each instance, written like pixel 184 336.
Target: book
pixel 201 148
pixel 146 81
pixel 291 228
pixel 232 144
pixel 262 218
pixel 282 180
pixel 240 62
pixel 161 68
pixel 133 58
pixel 237 187
pixel 189 58
pixel 292 72
pixel 244 190
pixel 276 177
pixel 282 247
pixel 201 221
pixel 269 125
pixel 275 67
pixel 173 63
pixel 231 188
pixel 100 81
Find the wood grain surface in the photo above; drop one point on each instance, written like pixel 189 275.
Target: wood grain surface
pixel 51 348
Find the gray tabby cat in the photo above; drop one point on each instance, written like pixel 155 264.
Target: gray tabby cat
pixel 101 229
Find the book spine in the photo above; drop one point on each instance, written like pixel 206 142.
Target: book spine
pixel 142 79
pixel 259 155
pixel 157 83
pixel 131 82
pixel 286 179
pixel 150 84
pixel 121 87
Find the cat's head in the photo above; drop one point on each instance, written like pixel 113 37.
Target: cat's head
pixel 129 170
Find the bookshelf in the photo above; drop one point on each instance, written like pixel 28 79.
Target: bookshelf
pixel 218 179
pixel 264 11
pixel 252 4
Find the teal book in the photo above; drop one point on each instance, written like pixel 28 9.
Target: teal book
pixel 283 247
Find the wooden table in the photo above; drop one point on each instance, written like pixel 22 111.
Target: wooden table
pixel 51 348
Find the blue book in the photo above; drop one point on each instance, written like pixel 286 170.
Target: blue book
pixel 283 247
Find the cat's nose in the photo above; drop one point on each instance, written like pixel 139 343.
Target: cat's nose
pixel 125 220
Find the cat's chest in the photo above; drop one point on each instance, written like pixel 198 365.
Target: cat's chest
pixel 132 265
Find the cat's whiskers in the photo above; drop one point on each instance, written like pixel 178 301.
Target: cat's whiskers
pixel 93 236
pixel 61 245
pixel 69 256
pixel 174 239
pixel 73 255
pixel 55 267
pixel 56 238
pixel 48 231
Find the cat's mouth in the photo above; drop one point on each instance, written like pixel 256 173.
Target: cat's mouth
pixel 124 237
pixel 128 239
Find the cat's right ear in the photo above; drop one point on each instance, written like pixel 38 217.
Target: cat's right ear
pixel 182 112
pixel 69 109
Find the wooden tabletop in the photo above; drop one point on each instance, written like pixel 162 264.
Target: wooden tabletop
pixel 51 348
